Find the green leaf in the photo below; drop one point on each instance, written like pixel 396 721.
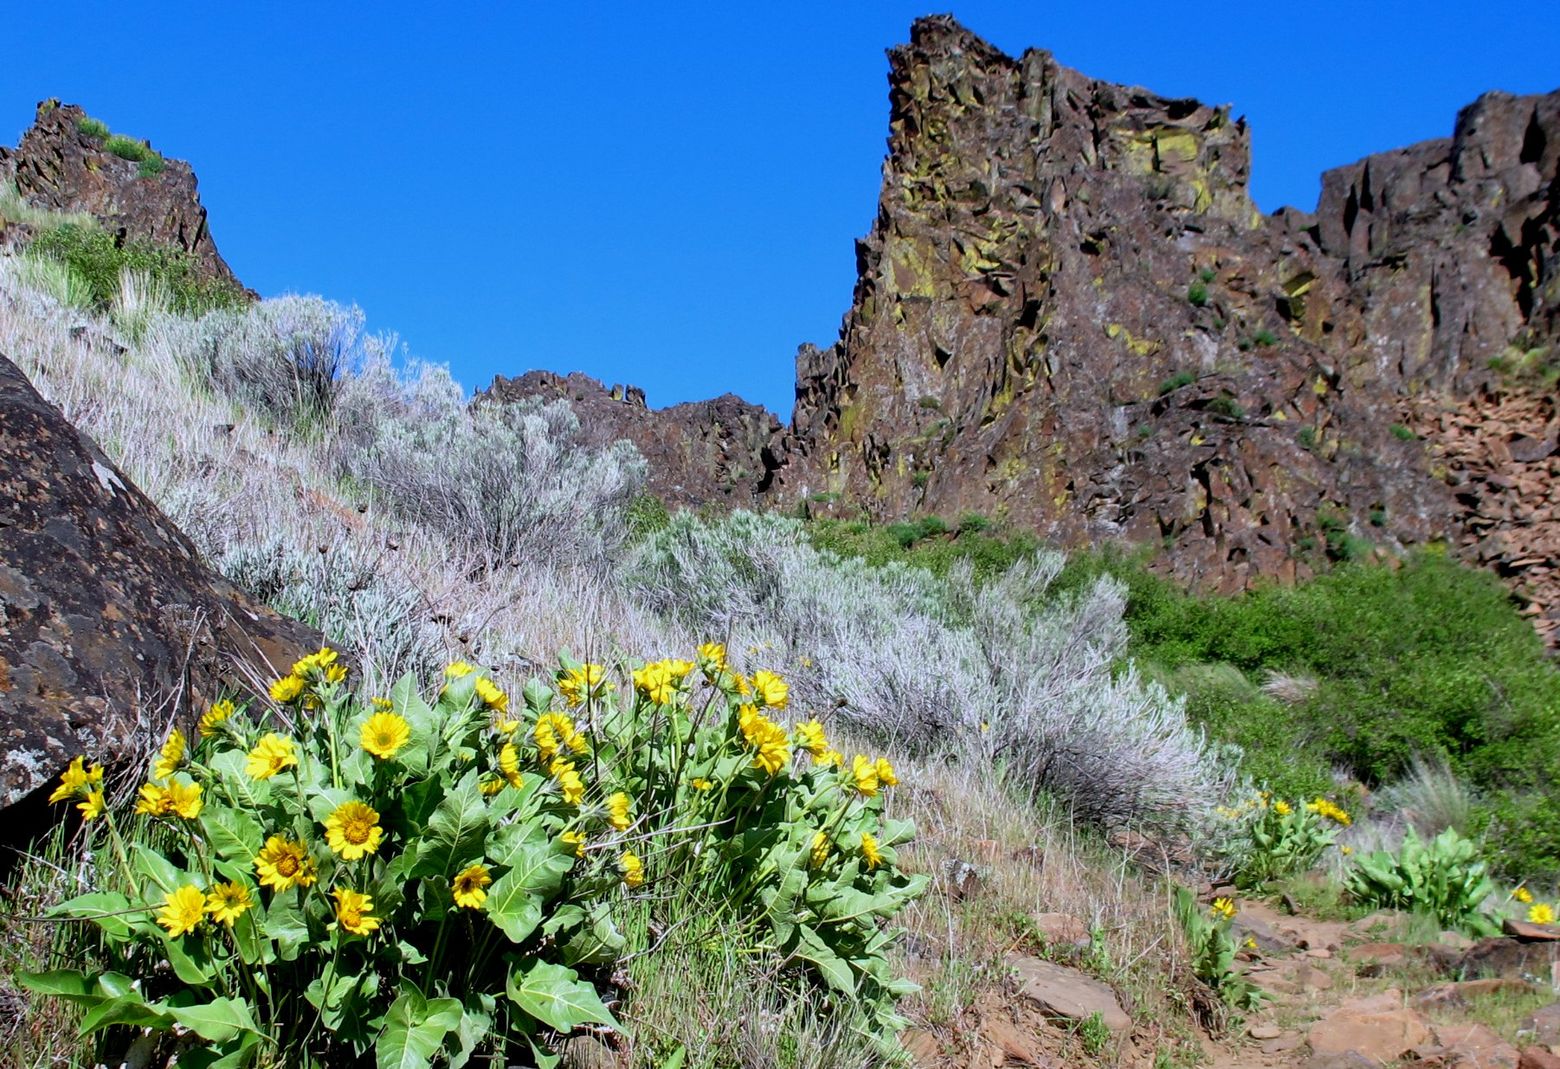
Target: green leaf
pixel 234 837
pixel 249 794
pixel 109 910
pixel 557 997
pixel 414 1030
pixel 62 983
pixel 218 1020
pixel 189 962
pixel 157 869
pixel 128 1009
pixel 830 965
pixel 456 829
pixel 514 910
pixel 286 926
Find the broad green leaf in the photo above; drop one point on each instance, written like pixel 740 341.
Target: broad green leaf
pixel 161 872
pixel 513 909
pixel 557 997
pixel 129 1009
pixel 233 781
pixel 62 983
pixel 234 837
pixel 218 1020
pixel 830 965
pixel 285 925
pixel 537 861
pixel 109 910
pixel 189 961
pixel 414 1030
pixel 455 830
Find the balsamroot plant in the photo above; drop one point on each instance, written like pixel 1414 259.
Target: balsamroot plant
pixel 1272 838
pixel 1002 673
pixel 407 880
pixel 1444 877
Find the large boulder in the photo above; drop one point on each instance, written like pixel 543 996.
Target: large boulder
pixel 110 624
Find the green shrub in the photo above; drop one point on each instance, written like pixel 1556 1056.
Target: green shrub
pixel 985 545
pixel 93 128
pixel 151 167
pixel 99 259
pixel 1402 433
pixel 1226 406
pixel 128 148
pixel 427 881
pixel 1444 878
pixel 1212 947
pixel 1274 839
pixel 1197 294
pixel 1307 437
pixel 1176 381
pixel 1265 338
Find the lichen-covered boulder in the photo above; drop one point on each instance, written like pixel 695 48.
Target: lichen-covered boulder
pixel 110 624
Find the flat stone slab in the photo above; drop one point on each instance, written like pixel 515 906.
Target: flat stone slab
pixel 1380 1029
pixel 1068 993
pixel 1529 932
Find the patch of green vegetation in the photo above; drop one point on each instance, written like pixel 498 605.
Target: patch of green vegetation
pixel 1306 437
pixel 1227 406
pixel 1265 338
pixel 926 543
pixel 96 129
pixel 920 479
pixel 1207 274
pixel 1197 294
pixel 152 166
pixel 98 259
pixel 646 515
pixel 1402 433
pixel 128 148
pixel 1176 381
pixel 1427 658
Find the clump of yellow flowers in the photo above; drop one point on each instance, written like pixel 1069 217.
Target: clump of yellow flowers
pixel 360 860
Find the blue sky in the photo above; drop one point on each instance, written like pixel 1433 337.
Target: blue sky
pixel 668 194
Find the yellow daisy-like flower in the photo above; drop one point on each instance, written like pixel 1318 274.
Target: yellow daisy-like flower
pixel 713 654
pixel 1282 808
pixel 617 811
pixel 553 732
pixel 768 739
pixel 832 758
pixel 320 661
pixel 182 910
pixel 570 785
pixel 699 783
pixel 575 839
pixel 353 830
pixel 77 779
pixel 632 868
pixel 490 787
pixel 885 772
pixel 226 902
pixel 467 886
pixel 353 911
pixel 287 689
pixel 810 737
pixel 1346 850
pixel 336 673
pixel 771 689
pixel 1541 913
pixel 578 684
pixel 283 863
pixel 93 805
pixel 213 717
pixel 820 850
pixel 153 801
pixel 509 763
pixel 271 755
pixel 385 733
pixel 1523 895
pixel 655 682
pixel 869 851
pixel 184 799
pixel 491 695
pixel 864 776
pixel 1326 808
pixel 171 756
pixel 457 669
pixel 1223 907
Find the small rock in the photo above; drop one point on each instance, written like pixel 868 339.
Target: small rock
pixel 1264 1030
pixel 1537 1058
pixel 1279 1044
pixel 1528 932
pixel 1068 993
pixel 1061 929
pixel 1544 1024
pixel 922 1047
pixel 1476 1045
pixel 1380 1029
pixel 1464 992
pixel 1011 1042
pixel 1320 953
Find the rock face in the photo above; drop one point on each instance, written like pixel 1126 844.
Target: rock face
pixel 108 614
pixel 59 167
pixel 724 450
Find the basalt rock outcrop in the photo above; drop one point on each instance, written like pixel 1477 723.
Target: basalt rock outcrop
pixel 721 451
pixel 110 625
pixel 60 167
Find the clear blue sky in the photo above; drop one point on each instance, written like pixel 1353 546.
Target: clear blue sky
pixel 668 194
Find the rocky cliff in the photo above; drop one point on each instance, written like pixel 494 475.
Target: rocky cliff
pixel 64 163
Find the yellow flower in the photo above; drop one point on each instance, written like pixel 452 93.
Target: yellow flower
pixel 767 738
pixel 1346 850
pixel 1223 907
pixel 353 830
pixel 491 695
pixel 321 661
pixel 490 787
pixel 617 811
pixel 771 689
pixel 714 655
pixel 352 911
pixel 467 887
pixel 74 780
pixel 578 684
pixel 864 775
pixel 870 851
pixel 270 755
pixel 810 737
pixel 1541 913
pixel 182 910
pixel 457 669
pixel 575 839
pixel 1326 808
pixel 93 806
pixel 283 863
pixel 831 759
pixel 153 801
pixel 509 763
pixel 1250 944
pixel 184 799
pixel 678 668
pixel 656 683
pixel 287 689
pixel 1523 895
pixel 336 673
pixel 209 720
pixel 820 850
pixel 553 732
pixel 1281 807
pixel 885 772
pixel 385 733
pixel 699 783
pixel 226 902
pixel 632 868
pixel 171 755
pixel 569 783
pixel 382 705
